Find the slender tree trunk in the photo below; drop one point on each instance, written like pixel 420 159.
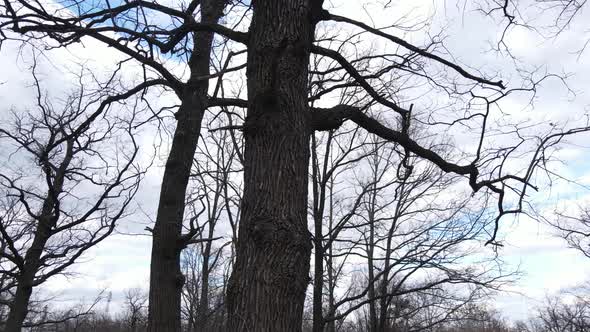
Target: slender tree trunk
pixel 319 197
pixel 191 325
pixel 166 279
pixel 331 325
pixel 20 303
pixel 19 306
pixel 203 306
pixel 271 273
pixel 318 282
pixel 318 279
pixel 371 271
pixel 371 244
pixel 384 302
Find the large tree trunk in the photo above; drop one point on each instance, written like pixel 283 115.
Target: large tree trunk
pixel 270 276
pixel 19 305
pixel 166 279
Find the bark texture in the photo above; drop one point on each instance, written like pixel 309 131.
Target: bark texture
pixel 271 272
pixel 166 279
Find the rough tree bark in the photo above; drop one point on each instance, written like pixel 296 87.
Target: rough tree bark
pixel 166 279
pixel 267 289
pixel 271 273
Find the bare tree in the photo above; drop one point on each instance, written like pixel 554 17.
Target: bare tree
pixel 273 239
pixel 168 240
pixel 271 270
pixel 64 188
pixel 137 31
pixel 575 229
pixel 402 227
pixel 478 317
pixel 568 311
pixel 135 309
pixel 47 318
pixel 213 178
pixel 340 152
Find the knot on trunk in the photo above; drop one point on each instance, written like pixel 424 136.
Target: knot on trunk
pixel 180 280
pixel 269 232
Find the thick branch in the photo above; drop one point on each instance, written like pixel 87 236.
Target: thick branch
pixel 332 118
pixel 228 102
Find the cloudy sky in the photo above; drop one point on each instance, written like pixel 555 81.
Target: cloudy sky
pixel 122 261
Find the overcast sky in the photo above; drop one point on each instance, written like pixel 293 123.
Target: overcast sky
pixel 122 261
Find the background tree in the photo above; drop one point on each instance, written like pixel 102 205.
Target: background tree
pixel 416 245
pixel 566 311
pixel 480 318
pixel 64 187
pixel 206 261
pixel 339 152
pixel 136 307
pixel 574 229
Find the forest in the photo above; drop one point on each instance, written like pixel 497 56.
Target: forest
pixel 294 165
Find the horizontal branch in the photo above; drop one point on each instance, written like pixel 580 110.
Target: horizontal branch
pixel 228 102
pixel 332 118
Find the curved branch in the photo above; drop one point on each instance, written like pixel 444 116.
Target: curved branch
pixel 358 77
pixel 422 52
